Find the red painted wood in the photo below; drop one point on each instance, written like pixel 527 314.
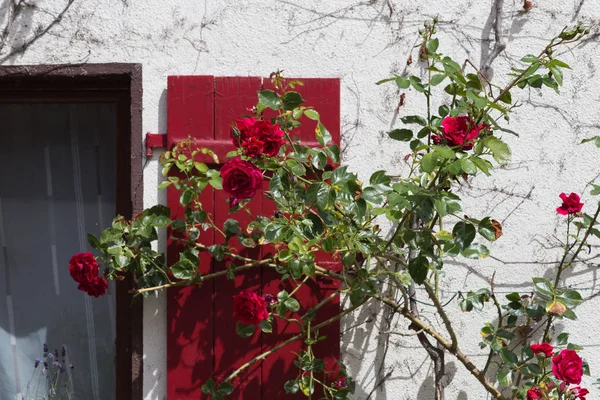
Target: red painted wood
pixel 202 342
pixel 154 141
pixel 189 310
pixel 324 95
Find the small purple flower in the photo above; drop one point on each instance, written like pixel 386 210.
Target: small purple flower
pixel 56 353
pixel 71 366
pixel 269 298
pixel 64 351
pixel 36 362
pixel 45 348
pixel 50 356
pixel 45 365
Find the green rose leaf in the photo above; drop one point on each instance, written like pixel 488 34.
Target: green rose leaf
pixel 322 134
pixel 503 376
pixel 437 79
pixel 94 242
pixel 291 387
pixel 486 229
pixel 269 99
pixel 231 227
pixel 509 357
pixel 464 233
pixel 429 162
pixel 402 82
pixel 500 150
pixel 265 326
pixel 432 45
pixel 514 297
pixel 209 387
pixel 543 288
pixel 292 100
pixel 403 135
pixel 245 330
pixel 414 119
pixel 312 114
pixel 562 339
pixel 292 304
pixel 225 388
pixel 418 268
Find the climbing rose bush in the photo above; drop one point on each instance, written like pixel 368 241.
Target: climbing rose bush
pixel 322 208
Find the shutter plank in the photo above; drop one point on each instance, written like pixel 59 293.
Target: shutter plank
pixel 189 310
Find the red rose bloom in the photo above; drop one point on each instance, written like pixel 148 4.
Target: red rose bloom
pixel 83 268
pixel 241 179
pixel 570 205
pixel 543 348
pixel 257 137
pixel 535 393
pixel 579 393
pixel 249 308
pixel 568 367
pixel 97 287
pixel 458 131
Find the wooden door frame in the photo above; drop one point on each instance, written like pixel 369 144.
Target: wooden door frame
pixel 114 83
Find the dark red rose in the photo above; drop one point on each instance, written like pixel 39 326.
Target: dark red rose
pixel 571 204
pixel 340 383
pixel 579 393
pixel 257 137
pixel 543 348
pixel 241 179
pixel 458 131
pixel 83 268
pixel 249 308
pixel 97 287
pixel 535 393
pixel 568 367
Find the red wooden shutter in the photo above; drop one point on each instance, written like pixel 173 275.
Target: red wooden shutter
pixel 202 342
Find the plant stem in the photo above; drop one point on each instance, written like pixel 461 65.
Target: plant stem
pixel 203 278
pixel 498 325
pixel 468 364
pixel 290 340
pixel 440 310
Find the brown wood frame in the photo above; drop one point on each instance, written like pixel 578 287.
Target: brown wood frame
pixel 114 83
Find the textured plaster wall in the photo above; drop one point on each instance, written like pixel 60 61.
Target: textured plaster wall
pixel 362 42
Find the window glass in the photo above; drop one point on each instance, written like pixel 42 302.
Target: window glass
pixel 57 184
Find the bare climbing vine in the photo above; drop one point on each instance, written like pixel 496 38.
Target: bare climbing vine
pixel 13 41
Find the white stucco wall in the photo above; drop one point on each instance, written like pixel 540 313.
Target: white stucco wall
pixel 362 42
